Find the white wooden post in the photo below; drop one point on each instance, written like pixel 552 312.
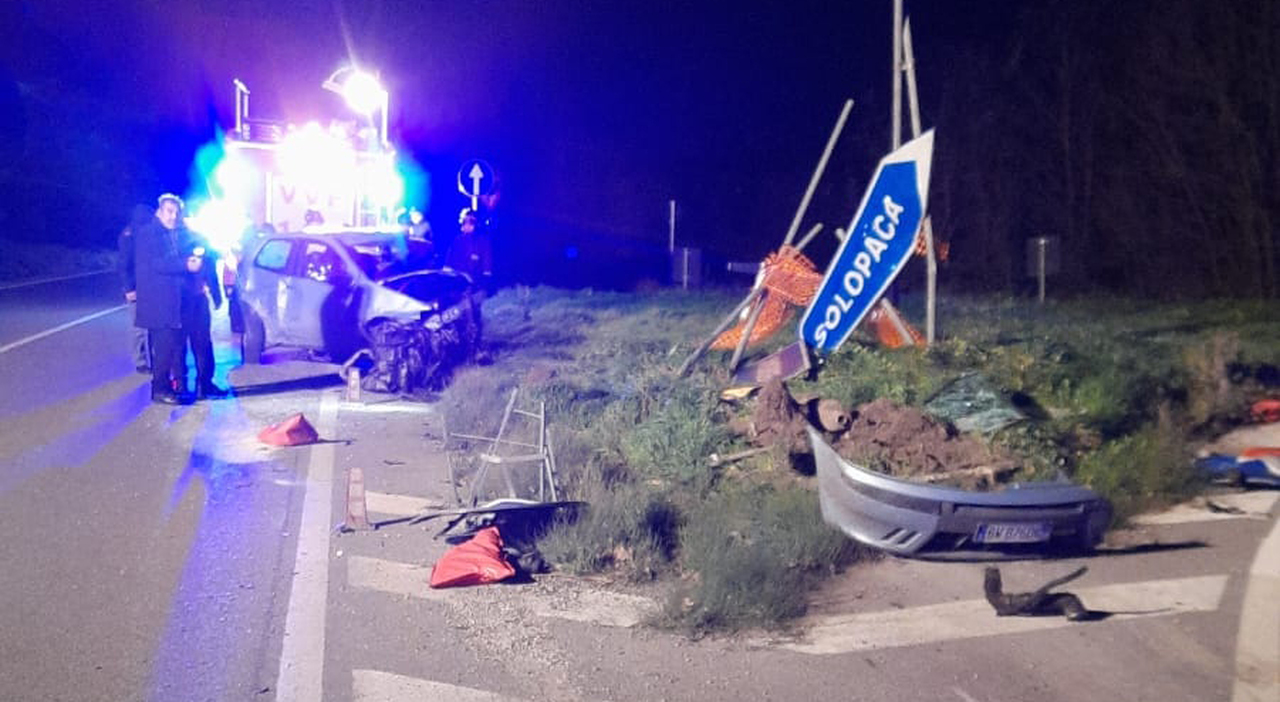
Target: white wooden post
pixel 1041 244
pixel 671 227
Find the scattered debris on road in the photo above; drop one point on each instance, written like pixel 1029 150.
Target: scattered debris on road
pixel 294 431
pixel 478 561
pixel 1251 468
pixel 1039 603
pixel 896 479
pixel 1266 411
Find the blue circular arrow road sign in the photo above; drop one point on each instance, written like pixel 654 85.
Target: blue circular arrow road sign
pixel 475 178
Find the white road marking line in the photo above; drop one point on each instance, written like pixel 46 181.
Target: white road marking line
pixel 963 695
pixel 411 580
pixel 1257 640
pixel 377 686
pixel 1256 504
pixel 302 656
pixel 389 407
pixel 53 279
pixel 61 327
pixel 600 607
pixel 408 579
pixel 397 505
pixel 974 618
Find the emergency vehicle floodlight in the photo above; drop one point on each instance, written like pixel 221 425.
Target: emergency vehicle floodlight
pixel 362 91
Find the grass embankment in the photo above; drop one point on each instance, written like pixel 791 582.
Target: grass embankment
pixel 1116 391
pixel 25 261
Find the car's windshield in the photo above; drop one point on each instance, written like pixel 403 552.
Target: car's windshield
pixel 382 257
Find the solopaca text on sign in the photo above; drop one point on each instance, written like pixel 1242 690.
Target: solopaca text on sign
pixel 854 281
pixel 880 240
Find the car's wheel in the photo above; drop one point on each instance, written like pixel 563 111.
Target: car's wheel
pixel 254 339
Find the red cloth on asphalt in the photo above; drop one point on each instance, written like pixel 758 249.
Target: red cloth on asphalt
pixel 293 431
pixel 475 562
pixel 1266 411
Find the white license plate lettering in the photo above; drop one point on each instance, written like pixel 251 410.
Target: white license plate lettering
pixel 1021 533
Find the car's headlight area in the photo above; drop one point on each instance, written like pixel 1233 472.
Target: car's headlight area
pixel 431 320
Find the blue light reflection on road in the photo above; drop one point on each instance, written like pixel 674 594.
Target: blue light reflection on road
pixel 96 429
pixel 220 619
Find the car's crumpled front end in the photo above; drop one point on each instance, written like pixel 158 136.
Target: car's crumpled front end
pixel 419 327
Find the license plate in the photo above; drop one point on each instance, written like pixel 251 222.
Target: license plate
pixel 1020 533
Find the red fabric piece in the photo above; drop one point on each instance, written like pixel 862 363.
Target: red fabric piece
pixel 476 562
pixel 1266 411
pixel 1260 452
pixel 293 431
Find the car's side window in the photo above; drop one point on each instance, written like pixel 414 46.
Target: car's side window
pixel 321 263
pixel 274 255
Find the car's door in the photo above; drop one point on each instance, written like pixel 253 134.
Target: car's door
pixel 318 285
pixel 264 287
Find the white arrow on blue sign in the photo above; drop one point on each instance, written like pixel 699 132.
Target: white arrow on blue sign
pixel 879 241
pixel 475 178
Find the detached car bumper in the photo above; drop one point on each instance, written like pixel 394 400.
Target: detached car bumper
pixel 905 517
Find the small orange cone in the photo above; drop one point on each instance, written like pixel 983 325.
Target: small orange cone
pixel 294 431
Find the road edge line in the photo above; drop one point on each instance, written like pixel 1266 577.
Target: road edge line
pixel 301 675
pixel 61 327
pixel 52 279
pixel 1257 645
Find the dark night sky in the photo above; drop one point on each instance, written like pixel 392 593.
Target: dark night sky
pixel 594 112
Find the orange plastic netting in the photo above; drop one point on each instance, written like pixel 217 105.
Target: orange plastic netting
pixel 887 331
pixel 941 249
pixel 790 278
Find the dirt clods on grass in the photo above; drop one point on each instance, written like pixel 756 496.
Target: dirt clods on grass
pixel 906 443
pixel 883 436
pixel 778 420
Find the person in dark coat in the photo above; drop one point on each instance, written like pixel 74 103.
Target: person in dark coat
pixel 139 348
pixel 199 289
pixel 162 271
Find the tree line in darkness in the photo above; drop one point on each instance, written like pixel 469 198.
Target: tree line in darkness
pixel 1142 135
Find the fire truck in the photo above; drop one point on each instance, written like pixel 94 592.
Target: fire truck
pixel 271 176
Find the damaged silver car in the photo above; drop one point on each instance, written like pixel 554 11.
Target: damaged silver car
pixel 341 293
pixel 905 517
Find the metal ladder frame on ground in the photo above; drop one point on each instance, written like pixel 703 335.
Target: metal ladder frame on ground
pixel 543 454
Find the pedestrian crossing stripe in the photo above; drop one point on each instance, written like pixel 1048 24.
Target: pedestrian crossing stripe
pixel 379 686
pixel 601 608
pixel 968 619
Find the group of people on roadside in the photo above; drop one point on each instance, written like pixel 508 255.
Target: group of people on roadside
pixel 170 279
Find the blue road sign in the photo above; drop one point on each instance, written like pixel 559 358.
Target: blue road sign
pixel 879 241
pixel 475 178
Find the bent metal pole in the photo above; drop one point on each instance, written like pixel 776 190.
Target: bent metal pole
pixel 817 172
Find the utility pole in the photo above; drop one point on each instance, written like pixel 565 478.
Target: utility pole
pixel 897 75
pixel 926 229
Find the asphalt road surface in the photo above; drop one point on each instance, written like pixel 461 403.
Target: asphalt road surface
pixel 160 553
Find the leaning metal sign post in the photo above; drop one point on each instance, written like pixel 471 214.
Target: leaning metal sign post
pixel 880 240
